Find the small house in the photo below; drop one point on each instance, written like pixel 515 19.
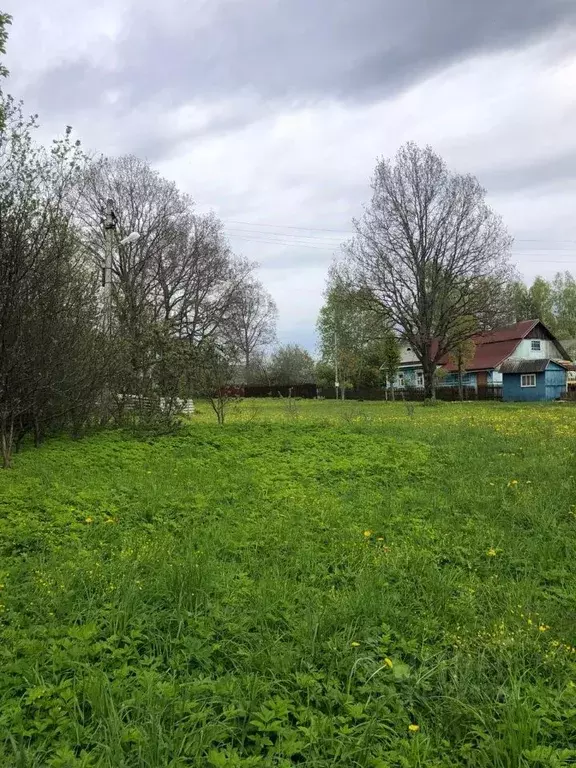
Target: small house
pixel 542 379
pixel 527 340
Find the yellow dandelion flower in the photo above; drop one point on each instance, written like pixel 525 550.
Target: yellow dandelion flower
pixel 543 627
pixel 367 533
pixel 491 552
pixel 354 644
pixel 512 483
pixel 388 662
pixel 89 520
pixel 413 728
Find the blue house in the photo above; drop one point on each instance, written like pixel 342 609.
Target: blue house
pixel 534 379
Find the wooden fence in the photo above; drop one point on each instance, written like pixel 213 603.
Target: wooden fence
pixel 308 391
pixel 311 391
pixel 137 403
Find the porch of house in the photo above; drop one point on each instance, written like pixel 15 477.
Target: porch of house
pixel 411 377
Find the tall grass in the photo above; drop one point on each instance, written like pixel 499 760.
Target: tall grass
pixel 338 585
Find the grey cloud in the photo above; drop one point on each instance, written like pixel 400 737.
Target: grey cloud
pixel 295 50
pixel 557 172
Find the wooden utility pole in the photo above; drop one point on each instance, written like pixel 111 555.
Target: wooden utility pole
pixel 109 223
pixel 336 382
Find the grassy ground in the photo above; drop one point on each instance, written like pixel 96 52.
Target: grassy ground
pixel 321 584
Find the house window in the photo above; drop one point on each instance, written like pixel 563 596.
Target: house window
pixel 400 379
pixel 528 380
pixel 419 379
pixel 535 345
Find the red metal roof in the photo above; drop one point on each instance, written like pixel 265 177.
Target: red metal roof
pixel 487 355
pixel 514 332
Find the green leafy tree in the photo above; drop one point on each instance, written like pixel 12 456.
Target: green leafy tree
pixel 391 360
pixel 553 302
pixel 542 302
pixel 564 298
pixel 5 21
pixel 291 364
pixel 460 357
pixel 325 374
pixel 350 332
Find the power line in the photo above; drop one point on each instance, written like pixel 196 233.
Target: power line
pixel 542 240
pixel 304 238
pixel 285 243
pixel 336 243
pixel 352 232
pixel 290 226
pixel 295 238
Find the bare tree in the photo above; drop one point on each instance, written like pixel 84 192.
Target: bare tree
pixel 144 202
pixel 198 279
pixel 178 281
pixel 251 324
pixel 215 366
pixel 429 251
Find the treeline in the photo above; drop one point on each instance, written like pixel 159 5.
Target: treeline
pixel 185 315
pixel 551 301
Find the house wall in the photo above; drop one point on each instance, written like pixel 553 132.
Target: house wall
pixel 547 349
pixel 512 390
pixel 410 376
pixel 407 354
pixel 550 385
pixel 555 379
pixel 451 380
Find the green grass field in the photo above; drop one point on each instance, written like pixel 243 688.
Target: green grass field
pixel 315 584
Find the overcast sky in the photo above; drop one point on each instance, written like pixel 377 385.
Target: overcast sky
pixel 273 112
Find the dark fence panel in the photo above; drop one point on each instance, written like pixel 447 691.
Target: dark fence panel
pixel 309 391
pixel 452 393
pixel 363 393
pixel 415 393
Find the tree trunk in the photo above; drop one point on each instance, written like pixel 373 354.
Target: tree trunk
pixel 392 393
pixel 429 371
pixel 460 384
pixel 7 441
pixel 37 433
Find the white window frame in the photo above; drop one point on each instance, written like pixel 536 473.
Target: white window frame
pixel 528 380
pixel 419 379
pixel 536 345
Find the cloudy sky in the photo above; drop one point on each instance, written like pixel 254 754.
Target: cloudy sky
pixel 273 112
